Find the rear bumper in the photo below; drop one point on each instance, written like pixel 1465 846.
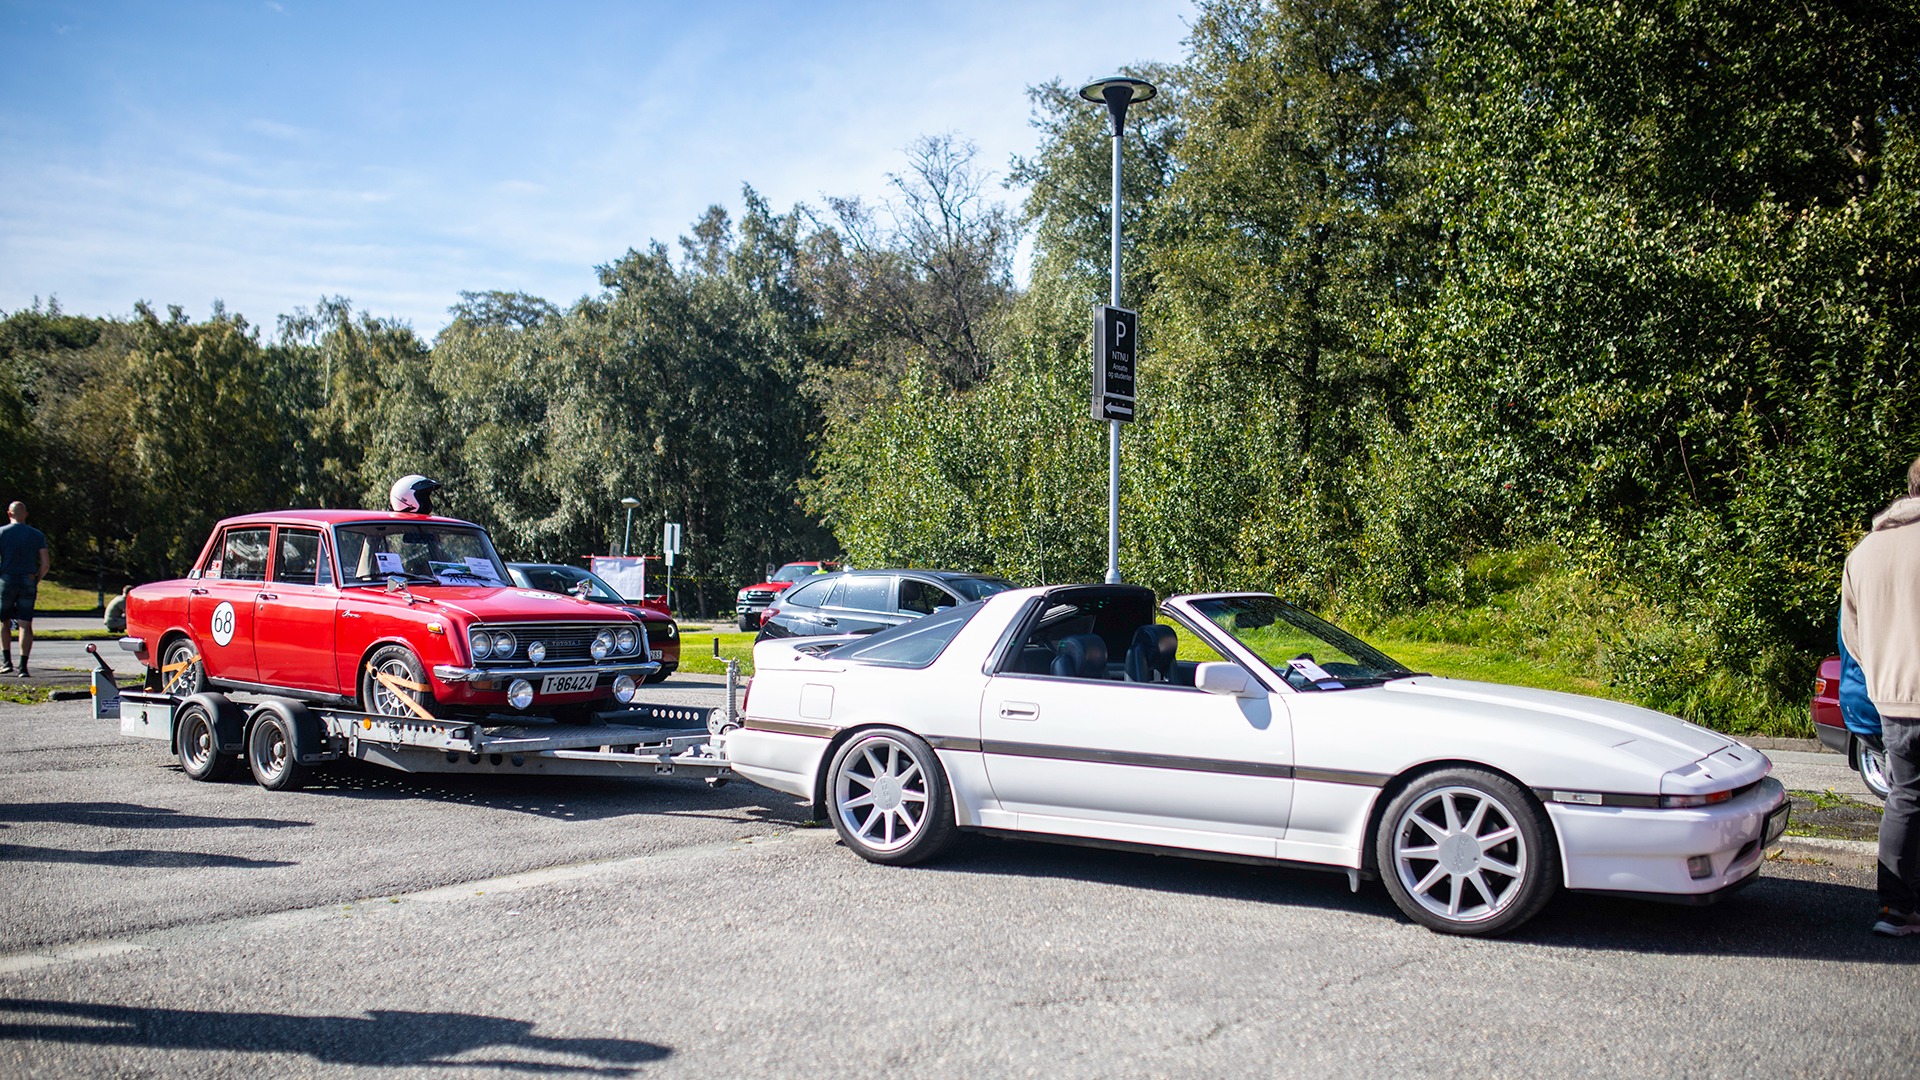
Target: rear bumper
pixel 1617 849
pixel 1837 739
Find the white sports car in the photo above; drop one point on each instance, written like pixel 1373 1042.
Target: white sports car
pixel 1068 711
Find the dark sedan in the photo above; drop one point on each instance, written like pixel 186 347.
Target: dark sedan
pixel 863 601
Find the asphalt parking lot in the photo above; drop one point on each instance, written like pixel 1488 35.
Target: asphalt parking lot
pixel 502 926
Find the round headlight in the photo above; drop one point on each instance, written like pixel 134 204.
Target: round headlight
pixel 520 694
pixel 481 643
pixel 503 644
pixel 602 645
pixel 623 689
pixel 536 651
pixel 625 640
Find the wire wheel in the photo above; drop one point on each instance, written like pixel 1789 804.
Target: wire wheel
pixel 1461 855
pixel 880 794
pixel 398 664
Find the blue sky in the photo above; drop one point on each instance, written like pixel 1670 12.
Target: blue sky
pixel 269 153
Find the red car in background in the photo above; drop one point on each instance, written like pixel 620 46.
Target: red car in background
pixel 754 599
pixel 663 634
pixel 399 614
pixel 1832 729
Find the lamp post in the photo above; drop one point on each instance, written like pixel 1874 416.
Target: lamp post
pixel 1116 93
pixel 629 503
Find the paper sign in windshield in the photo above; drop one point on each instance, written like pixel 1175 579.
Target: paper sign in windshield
pixel 1308 668
pixel 389 562
pixel 482 569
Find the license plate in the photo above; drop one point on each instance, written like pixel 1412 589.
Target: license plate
pixel 1776 824
pixel 654 654
pixel 568 684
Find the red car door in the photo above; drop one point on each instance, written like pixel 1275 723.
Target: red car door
pixel 224 599
pixel 293 619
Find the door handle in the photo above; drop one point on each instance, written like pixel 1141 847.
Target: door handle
pixel 269 596
pixel 198 592
pixel 1019 710
pixel 829 621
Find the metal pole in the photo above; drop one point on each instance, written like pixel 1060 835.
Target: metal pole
pixel 628 539
pixel 1113 426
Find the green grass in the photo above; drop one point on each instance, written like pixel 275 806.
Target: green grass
pixel 696 651
pixel 54 597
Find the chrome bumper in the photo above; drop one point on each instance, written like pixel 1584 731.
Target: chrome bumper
pixel 454 673
pixel 134 645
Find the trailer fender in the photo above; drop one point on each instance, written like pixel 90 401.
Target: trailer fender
pixel 229 724
pixel 308 734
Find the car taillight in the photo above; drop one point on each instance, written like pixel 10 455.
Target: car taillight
pixel 1680 802
pixel 1820 687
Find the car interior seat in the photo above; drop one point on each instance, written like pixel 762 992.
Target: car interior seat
pixel 1150 657
pixel 1080 656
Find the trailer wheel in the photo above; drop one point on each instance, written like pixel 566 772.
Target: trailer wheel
pixel 199 744
pixel 398 663
pixel 271 756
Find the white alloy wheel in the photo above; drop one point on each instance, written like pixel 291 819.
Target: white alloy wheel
pixel 1467 852
pixel 1873 770
pixel 889 798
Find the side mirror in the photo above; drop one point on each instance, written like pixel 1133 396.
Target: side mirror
pixel 1229 679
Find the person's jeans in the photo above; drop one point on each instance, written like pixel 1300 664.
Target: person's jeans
pixel 1899 840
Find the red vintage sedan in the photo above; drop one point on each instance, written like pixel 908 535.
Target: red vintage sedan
pixel 393 613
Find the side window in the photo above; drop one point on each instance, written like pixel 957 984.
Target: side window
pixel 300 560
pixel 865 593
pixel 810 595
pixel 243 555
pixel 923 598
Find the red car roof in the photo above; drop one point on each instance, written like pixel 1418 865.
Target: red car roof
pixel 340 517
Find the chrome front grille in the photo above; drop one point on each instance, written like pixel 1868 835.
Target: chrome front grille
pixel 568 643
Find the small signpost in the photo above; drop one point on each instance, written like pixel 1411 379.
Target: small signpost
pixel 1115 332
pixel 670 546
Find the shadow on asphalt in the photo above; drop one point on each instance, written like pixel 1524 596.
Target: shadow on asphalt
pixel 1774 917
pixel 380 1037
pixel 119 815
pixel 567 798
pixel 135 857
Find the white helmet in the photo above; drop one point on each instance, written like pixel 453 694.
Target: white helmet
pixel 413 494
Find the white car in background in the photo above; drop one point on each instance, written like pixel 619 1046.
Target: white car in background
pixel 1068 712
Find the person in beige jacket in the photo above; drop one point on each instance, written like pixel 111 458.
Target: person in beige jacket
pixel 1880 625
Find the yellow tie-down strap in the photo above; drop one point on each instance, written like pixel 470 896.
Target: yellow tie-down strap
pixel 170 674
pixel 397 685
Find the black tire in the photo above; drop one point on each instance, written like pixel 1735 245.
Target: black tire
pixel 192 680
pixel 1872 766
pixel 198 744
pixel 875 779
pixel 271 754
pixel 399 662
pixel 749 622
pixel 1466 851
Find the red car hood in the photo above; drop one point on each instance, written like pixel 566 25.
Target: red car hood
pixel 493 605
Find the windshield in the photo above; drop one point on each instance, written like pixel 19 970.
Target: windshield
pixel 794 571
pixel 564 579
pixel 979 588
pixel 1306 650
pixel 417 551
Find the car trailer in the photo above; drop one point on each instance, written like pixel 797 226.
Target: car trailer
pixel 280 739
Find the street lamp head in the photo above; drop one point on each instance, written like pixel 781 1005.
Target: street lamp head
pixel 1116 93
pixel 629 502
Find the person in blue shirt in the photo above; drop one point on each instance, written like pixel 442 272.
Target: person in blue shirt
pixel 23 563
pixel 1856 708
